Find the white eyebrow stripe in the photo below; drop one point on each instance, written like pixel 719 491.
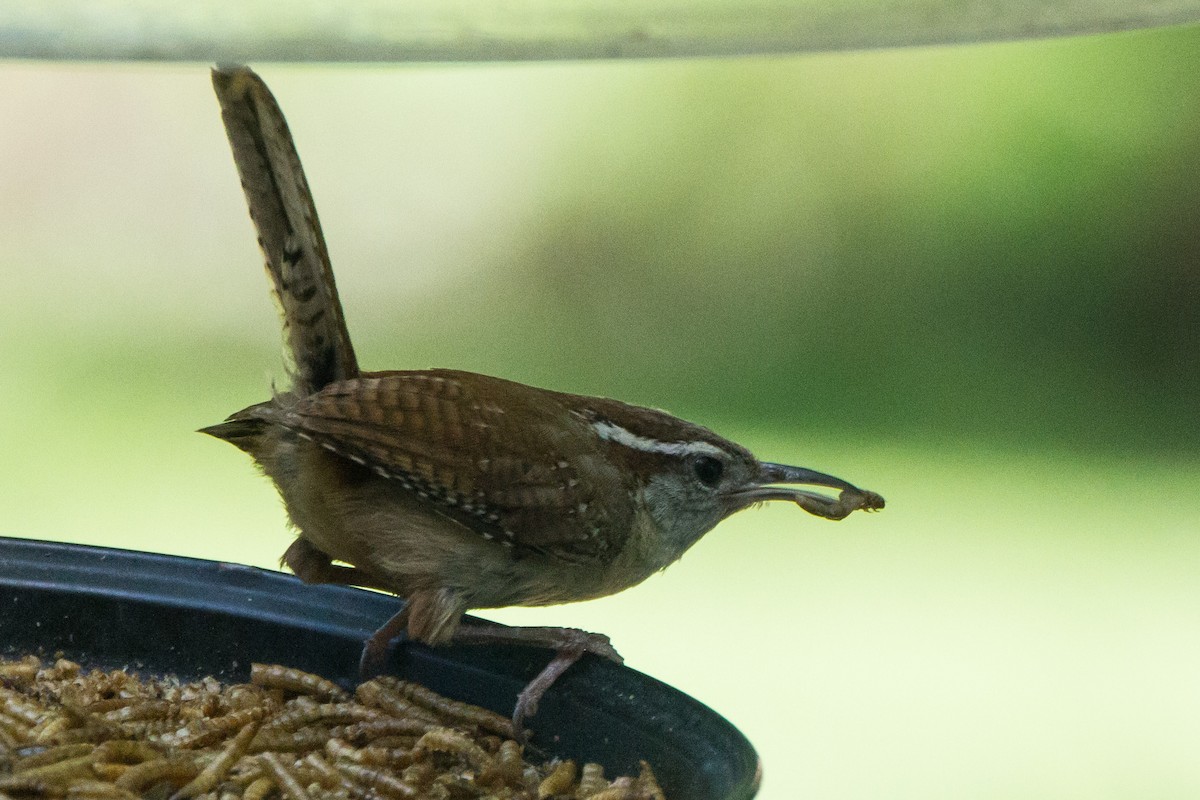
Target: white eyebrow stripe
pixel 615 433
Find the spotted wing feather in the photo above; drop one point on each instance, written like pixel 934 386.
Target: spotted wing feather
pixel 444 440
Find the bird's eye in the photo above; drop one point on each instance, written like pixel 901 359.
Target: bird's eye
pixel 708 470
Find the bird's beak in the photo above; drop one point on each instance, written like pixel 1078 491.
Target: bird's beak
pixel 764 487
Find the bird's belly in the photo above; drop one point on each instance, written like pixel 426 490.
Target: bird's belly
pixel 370 522
pixel 410 550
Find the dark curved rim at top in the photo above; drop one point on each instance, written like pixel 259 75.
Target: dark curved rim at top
pixel 158 613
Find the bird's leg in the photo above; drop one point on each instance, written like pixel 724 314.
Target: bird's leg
pixel 550 638
pixel 375 649
pixel 568 644
pixel 433 617
pixel 430 616
pixel 531 695
pixel 313 565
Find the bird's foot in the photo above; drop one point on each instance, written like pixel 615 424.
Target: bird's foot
pixel 569 645
pixel 378 645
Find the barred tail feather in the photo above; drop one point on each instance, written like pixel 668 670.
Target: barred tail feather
pixel 289 232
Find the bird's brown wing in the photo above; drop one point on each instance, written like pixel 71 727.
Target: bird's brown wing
pixel 444 439
pixel 289 232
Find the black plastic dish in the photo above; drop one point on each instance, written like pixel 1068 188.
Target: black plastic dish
pixel 166 614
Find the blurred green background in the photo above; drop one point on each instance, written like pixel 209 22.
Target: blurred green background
pixel 968 278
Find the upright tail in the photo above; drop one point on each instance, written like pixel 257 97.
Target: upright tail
pixel 289 232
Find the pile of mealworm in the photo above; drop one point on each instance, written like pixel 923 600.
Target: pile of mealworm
pixel 287 735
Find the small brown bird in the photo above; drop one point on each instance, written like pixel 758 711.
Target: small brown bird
pixel 456 490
